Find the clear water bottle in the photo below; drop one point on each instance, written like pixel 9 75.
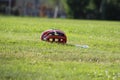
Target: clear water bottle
pixel 82 46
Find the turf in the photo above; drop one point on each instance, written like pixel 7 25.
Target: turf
pixel 23 56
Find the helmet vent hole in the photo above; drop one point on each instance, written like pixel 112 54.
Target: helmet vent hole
pixel 56 40
pixel 50 40
pixel 61 39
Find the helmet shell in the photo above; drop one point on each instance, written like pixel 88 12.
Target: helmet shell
pixel 52 35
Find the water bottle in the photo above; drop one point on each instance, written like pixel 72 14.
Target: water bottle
pixel 82 46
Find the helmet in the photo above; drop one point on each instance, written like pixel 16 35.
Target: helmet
pixel 53 35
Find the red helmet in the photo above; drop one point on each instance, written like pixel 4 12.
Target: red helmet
pixel 54 36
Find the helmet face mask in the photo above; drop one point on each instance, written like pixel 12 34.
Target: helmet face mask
pixel 54 36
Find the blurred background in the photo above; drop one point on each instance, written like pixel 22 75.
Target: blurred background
pixel 75 9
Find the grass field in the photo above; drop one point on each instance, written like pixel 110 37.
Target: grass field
pixel 23 56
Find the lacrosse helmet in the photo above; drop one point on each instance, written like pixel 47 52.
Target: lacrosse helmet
pixel 53 35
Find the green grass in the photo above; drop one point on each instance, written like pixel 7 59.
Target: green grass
pixel 23 56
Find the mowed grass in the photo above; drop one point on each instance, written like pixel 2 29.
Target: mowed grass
pixel 23 56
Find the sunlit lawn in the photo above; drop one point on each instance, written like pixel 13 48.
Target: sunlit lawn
pixel 23 56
